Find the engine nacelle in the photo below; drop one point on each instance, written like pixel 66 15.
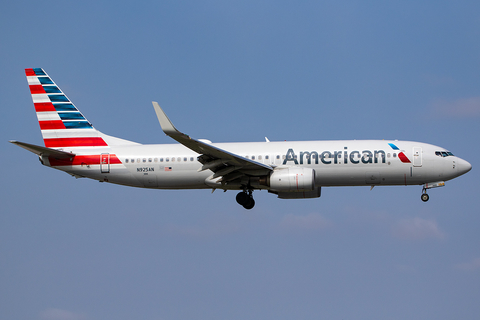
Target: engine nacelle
pixel 300 195
pixel 292 179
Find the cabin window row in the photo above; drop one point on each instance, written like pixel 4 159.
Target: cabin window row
pixel 167 159
pixel 264 157
pixel 278 157
pixel 307 156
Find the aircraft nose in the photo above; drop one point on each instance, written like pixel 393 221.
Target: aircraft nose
pixel 463 166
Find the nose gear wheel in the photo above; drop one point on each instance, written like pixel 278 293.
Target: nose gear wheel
pixel 424 196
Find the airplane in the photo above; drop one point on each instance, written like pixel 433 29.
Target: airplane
pixel 289 169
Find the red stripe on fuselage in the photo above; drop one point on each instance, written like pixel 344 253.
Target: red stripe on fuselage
pixel 36 88
pixel 82 160
pixel 51 125
pixel 44 106
pixel 75 142
pixel 403 158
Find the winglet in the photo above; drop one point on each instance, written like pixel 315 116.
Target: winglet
pixel 165 123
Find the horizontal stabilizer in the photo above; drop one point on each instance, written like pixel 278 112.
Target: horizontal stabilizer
pixel 42 151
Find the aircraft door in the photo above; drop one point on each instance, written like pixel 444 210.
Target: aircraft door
pixel 105 163
pixel 272 159
pixel 417 156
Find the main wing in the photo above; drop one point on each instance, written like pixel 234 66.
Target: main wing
pixel 226 166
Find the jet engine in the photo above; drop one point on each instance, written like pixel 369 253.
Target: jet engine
pixel 291 179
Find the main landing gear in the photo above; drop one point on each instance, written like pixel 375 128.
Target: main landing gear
pixel 245 199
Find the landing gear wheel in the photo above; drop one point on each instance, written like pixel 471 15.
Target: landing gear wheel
pixel 242 198
pixel 250 204
pixel 245 199
pixel 425 197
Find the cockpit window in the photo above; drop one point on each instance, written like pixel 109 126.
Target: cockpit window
pixel 443 153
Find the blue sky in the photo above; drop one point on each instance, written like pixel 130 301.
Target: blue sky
pixel 239 71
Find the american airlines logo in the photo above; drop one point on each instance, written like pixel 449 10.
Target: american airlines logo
pixel 336 157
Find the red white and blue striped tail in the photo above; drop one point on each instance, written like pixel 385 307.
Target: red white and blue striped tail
pixel 61 123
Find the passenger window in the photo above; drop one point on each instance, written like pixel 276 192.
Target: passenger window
pixel 185 159
pixel 266 157
pixel 149 159
pixel 173 159
pixel 278 157
pixel 259 157
pixel 132 160
pixel 191 159
pixel 394 155
pixel 144 159
pixel 253 157
pixel 138 160
pixel 161 159
pixel 179 159
pixel 155 160
pixel 167 159
pixel 126 160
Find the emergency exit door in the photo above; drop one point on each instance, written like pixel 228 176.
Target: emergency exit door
pixel 417 156
pixel 105 163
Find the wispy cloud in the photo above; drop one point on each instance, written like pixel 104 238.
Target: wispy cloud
pixel 416 229
pixel 472 265
pixel 313 221
pixel 460 108
pixel 59 314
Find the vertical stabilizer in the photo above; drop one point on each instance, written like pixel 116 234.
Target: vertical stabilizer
pixel 61 123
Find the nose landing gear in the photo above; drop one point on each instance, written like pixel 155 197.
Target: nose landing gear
pixel 430 185
pixel 425 196
pixel 245 199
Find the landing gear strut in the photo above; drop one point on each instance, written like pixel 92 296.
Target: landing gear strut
pixel 430 185
pixel 424 196
pixel 245 199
